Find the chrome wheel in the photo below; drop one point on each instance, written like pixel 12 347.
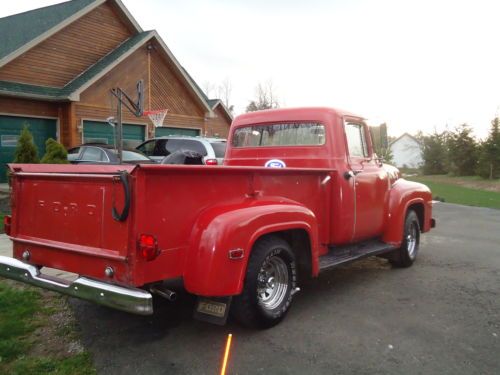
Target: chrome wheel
pixel 272 283
pixel 411 240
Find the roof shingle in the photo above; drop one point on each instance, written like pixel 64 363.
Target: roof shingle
pixel 20 29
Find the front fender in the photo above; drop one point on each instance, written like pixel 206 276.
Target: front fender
pixel 404 194
pixel 209 271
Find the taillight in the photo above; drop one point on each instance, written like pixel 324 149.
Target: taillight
pixel 147 247
pixel 7 220
pixel 211 162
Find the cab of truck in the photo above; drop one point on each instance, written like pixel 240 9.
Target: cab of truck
pixel 321 138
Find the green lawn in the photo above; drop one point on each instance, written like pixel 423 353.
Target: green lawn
pixel 452 191
pixel 22 312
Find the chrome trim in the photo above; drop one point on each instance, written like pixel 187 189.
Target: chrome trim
pixel 132 300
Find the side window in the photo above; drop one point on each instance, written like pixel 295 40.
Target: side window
pixel 147 148
pixel 356 140
pixel 93 154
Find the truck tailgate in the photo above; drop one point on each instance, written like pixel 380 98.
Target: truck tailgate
pixel 63 219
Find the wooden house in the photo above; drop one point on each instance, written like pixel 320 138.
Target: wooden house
pixel 58 64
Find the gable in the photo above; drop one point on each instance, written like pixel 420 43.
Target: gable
pixel 63 56
pixel 20 29
pixel 168 91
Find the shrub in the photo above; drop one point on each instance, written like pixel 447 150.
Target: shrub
pixel 26 151
pixel 55 153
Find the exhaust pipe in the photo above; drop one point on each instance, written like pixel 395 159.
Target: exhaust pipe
pixel 165 293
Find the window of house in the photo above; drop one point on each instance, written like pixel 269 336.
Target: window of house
pixel 9 140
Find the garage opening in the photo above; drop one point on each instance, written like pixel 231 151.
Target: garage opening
pixel 165 131
pixel 10 130
pixel 102 132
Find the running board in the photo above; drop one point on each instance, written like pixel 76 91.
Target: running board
pixel 348 253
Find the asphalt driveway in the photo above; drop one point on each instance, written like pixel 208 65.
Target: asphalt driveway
pixel 441 316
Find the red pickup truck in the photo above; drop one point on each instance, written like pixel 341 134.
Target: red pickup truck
pixel 301 191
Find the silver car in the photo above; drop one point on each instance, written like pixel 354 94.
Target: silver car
pixel 211 149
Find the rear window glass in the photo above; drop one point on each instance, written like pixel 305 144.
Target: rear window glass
pixel 219 149
pixel 286 134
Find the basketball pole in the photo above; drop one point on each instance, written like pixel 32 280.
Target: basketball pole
pixel 149 78
pixel 149 47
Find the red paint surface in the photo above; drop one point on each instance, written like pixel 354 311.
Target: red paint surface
pixel 198 214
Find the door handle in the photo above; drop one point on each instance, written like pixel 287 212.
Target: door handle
pixel 349 174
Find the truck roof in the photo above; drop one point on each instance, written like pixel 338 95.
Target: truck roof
pixel 322 114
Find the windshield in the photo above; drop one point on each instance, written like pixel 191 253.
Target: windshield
pixel 219 148
pixel 286 134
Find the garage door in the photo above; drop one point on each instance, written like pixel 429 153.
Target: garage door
pixel 164 131
pixel 10 129
pixel 102 132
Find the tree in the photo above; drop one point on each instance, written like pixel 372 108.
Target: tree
pixel 265 98
pixel 381 143
pixel 489 158
pixel 221 91
pixel 26 151
pixel 224 91
pixel 434 152
pixel 55 153
pixel 462 151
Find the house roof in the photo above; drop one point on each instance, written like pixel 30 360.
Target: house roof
pixel 405 135
pixel 71 90
pixel 214 103
pixel 21 35
pixel 20 29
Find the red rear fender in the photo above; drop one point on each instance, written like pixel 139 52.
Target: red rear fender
pixel 210 271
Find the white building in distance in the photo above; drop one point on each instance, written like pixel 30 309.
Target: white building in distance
pixel 407 152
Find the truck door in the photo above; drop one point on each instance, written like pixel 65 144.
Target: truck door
pixel 369 181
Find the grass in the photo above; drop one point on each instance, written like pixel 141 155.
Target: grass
pixel 468 191
pixel 22 314
pixel 1 223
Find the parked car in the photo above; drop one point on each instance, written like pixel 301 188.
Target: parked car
pixel 96 153
pixel 212 149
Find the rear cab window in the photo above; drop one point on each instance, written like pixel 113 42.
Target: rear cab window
pixel 280 134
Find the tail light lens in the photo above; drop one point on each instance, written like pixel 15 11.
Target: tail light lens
pixel 211 162
pixel 147 247
pixel 7 220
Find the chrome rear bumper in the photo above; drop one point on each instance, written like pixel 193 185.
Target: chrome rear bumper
pixel 132 300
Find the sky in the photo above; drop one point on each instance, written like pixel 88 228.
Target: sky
pixel 416 65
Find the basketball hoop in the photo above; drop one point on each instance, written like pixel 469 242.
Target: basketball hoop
pixel 157 116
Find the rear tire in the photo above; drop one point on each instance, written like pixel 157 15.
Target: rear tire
pixel 270 281
pixel 407 253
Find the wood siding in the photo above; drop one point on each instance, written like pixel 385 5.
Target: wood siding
pixel 218 126
pixel 28 107
pixel 167 91
pixel 63 56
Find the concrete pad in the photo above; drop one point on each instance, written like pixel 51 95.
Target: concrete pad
pixel 5 246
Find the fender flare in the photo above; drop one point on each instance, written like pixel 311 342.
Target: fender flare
pixel 208 269
pixel 403 195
